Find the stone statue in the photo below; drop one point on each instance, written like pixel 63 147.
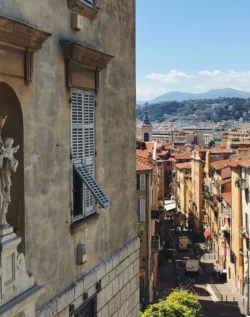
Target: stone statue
pixel 9 164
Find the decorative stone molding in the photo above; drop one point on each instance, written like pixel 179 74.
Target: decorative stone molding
pixel 83 65
pixel 22 40
pixel 83 9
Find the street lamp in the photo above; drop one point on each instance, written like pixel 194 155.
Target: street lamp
pixel 248 288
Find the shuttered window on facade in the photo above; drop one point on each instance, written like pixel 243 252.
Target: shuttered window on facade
pixel 141 209
pixel 142 181
pixel 83 150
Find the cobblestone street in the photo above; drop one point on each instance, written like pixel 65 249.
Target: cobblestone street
pixel 167 282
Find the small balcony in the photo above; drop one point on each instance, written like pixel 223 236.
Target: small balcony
pixel 243 232
pixel 241 183
pixel 226 212
pixel 155 243
pixel 155 214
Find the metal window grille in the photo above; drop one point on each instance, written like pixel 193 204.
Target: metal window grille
pixel 88 309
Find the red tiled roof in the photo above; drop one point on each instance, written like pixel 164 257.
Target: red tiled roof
pixel 245 162
pixel 171 159
pixel 168 147
pixel 142 164
pixel 228 198
pixel 186 165
pixel 180 147
pixel 225 181
pixel 145 152
pixel 163 152
pixel 216 151
pixel 243 148
pixel 183 156
pixel 219 165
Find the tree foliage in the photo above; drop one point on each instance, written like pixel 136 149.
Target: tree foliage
pixel 180 303
pixel 140 230
pixel 182 109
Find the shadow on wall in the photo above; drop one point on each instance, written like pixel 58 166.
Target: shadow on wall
pixel 13 127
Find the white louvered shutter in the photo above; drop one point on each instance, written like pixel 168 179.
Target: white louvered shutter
pixel 89 145
pixel 142 210
pixel 142 181
pixel 77 124
pixel 138 210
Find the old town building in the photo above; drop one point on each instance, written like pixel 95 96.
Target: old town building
pixel 67 87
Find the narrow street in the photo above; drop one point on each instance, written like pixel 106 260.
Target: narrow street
pixel 168 274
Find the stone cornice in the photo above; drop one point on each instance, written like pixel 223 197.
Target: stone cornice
pixel 83 9
pixel 17 36
pixel 84 55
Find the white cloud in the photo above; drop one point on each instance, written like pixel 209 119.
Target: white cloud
pixel 172 77
pixel 219 79
pixel 209 74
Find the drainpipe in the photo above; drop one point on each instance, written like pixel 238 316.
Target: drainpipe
pixel 147 228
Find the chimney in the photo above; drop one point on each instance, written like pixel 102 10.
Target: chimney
pixel 150 160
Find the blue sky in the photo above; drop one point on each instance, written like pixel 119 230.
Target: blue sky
pixel 192 45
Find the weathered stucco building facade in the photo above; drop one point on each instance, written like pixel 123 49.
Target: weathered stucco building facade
pixel 69 97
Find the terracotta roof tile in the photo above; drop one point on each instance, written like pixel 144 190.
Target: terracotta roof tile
pixel 142 164
pixel 219 165
pixel 186 165
pixel 216 151
pixel 168 147
pixel 225 181
pixel 171 159
pixel 183 156
pixel 245 162
pixel 228 198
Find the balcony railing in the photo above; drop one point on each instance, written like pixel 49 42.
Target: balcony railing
pixel 155 214
pixel 243 232
pixel 241 183
pixel 226 212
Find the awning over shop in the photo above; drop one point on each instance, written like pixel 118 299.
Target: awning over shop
pixel 170 206
pixel 207 233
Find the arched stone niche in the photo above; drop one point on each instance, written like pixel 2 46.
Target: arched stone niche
pixel 13 127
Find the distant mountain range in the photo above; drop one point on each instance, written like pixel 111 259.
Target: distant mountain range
pixel 211 94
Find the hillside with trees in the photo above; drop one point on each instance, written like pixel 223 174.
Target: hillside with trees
pixel 210 109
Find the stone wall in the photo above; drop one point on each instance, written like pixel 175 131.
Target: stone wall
pixel 119 295
pixel 50 246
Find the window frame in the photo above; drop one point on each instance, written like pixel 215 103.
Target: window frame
pixel 84 8
pixel 86 211
pixel 141 214
pixel 142 182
